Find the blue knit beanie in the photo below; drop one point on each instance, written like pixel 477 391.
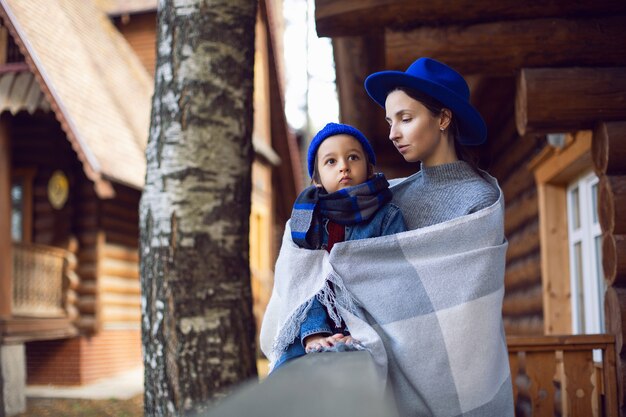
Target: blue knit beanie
pixel 332 129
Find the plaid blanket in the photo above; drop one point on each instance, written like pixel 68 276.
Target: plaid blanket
pixel 426 303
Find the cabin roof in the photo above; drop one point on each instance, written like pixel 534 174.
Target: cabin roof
pixel 94 82
pixel 121 7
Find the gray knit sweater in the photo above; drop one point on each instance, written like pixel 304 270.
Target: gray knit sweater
pixel 443 192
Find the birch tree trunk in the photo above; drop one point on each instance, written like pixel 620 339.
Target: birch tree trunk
pixel 197 323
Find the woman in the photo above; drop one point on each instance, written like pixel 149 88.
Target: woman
pixel 430 119
pixel 425 303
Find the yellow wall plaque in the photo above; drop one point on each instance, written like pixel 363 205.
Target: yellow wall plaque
pixel 58 189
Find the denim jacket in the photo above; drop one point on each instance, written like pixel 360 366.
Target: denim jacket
pixel 387 221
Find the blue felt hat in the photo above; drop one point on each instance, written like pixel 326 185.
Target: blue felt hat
pixel 332 129
pixel 439 81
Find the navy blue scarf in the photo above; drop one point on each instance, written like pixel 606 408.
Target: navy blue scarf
pixel 347 206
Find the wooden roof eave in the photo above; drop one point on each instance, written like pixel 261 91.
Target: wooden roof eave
pixel 103 187
pixel 356 17
pixel 283 140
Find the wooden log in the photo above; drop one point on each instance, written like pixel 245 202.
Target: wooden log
pixel 121 300
pixel 608 148
pixel 117 285
pixel 520 211
pixel 524 242
pixel 356 17
pixel 87 324
pixel 120 225
pixel 121 253
pixel 615 312
pixel 73 280
pixel 87 288
pixel 614 258
pixel 131 272
pixel 123 239
pixel 611 203
pixel 519 181
pixel 131 213
pixel 117 315
pixel 524 302
pixel 86 305
pixel 88 255
pixel 523 273
pixel 515 152
pixel 567 99
pixel 501 48
pixel 615 315
pixel 531 325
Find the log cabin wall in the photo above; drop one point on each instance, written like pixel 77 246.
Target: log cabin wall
pixel 39 146
pixel 118 283
pixel 89 245
pixel 522 307
pixel 106 232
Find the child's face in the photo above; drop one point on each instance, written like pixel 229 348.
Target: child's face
pixel 341 163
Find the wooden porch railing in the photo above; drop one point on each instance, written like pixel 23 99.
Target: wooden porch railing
pixel 38 273
pixel 557 376
pixel 552 376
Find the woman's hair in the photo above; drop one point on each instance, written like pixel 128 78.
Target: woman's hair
pixel 435 107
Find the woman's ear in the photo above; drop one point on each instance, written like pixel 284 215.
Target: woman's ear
pixel 370 170
pixel 445 119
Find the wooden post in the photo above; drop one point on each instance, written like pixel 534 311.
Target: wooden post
pixel 356 58
pixel 568 99
pixel 554 259
pixel 614 307
pixel 6 252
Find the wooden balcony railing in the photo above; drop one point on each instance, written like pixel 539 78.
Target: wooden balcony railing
pixel 38 273
pixel 557 376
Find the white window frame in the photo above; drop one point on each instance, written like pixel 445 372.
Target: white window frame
pixel 588 314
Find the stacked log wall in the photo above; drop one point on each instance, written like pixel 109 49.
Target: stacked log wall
pixel 38 144
pixel 609 159
pixel 523 305
pixel 89 247
pixel 118 286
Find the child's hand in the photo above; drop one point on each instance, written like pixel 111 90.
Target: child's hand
pixel 315 342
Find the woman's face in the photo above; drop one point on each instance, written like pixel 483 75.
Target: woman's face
pixel 416 133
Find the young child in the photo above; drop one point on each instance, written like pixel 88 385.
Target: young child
pixel 347 201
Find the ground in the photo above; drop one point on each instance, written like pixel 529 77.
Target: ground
pixel 62 407
pixel 56 407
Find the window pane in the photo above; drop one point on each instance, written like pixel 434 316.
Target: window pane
pixel 600 277
pixel 575 209
pixel 578 274
pixel 594 202
pixel 17 201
